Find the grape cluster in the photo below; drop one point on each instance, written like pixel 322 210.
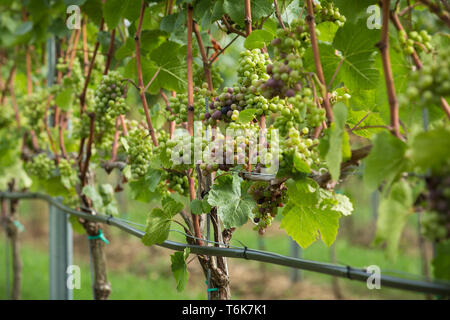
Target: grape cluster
pixel 179 105
pixel 429 84
pixel 436 219
pixel 139 150
pixel 415 41
pixel 268 199
pixel 286 72
pixel 328 12
pixel 176 182
pixel 300 146
pixel 41 167
pixel 34 109
pixel 67 172
pixel 252 67
pixel 110 97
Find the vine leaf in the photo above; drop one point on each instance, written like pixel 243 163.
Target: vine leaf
pixel 234 204
pixel 113 10
pixel 258 39
pixel 159 220
pixel 385 161
pixel 236 10
pixel 247 115
pixel 356 44
pixel 310 213
pixel 179 268
pixel 144 189
pixel 393 213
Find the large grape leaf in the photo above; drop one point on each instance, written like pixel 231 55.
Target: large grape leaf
pixel 356 44
pixel 234 204
pixel 385 161
pixel 168 58
pixel 311 213
pixel 393 213
pixel 159 220
pixel 328 58
pixel 179 268
pixel 113 11
pixel 354 9
pixel 235 9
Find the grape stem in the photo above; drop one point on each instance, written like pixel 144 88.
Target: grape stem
pixel 190 90
pixel 140 76
pixel 206 64
pixel 315 48
pixel 383 45
pixel 436 9
pixel 277 12
pixel 110 51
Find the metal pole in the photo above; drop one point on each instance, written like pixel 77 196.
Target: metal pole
pixel 61 254
pixel 7 269
pixel 296 252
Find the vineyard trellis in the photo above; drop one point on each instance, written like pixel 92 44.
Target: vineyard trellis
pixel 348 272
pixel 316 91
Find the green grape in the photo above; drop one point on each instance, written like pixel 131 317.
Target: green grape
pixel 34 109
pixel 139 150
pixel 429 84
pixel 41 167
pixel 110 97
pixel 252 67
pixel 68 173
pixel 179 105
pixel 328 12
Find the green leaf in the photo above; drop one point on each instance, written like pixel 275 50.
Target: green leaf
pixel 126 50
pixel 179 268
pixel 308 214
pixel 354 9
pixel 247 115
pixel 94 195
pixel 158 225
pixel 371 119
pixel 430 149
pixel 144 189
pixel 93 9
pixel 113 11
pixel 385 161
pixel 259 8
pixel 327 31
pixel 393 213
pixel 196 206
pixel 258 39
pixel 337 131
pixel 64 99
pixel 356 44
pixel 24 28
pixel 441 263
pixel 159 220
pixel 300 165
pixel 234 204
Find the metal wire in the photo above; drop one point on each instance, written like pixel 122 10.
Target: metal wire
pixel 442 288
